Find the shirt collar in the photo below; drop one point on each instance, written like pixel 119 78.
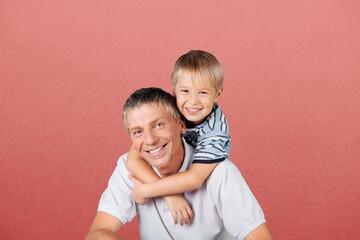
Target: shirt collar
pixel 188 156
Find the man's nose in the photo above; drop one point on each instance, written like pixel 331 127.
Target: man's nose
pixel 149 137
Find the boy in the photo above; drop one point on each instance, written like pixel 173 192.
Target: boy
pixel 197 82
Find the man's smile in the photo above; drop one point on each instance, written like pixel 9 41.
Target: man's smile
pixel 154 151
pixel 157 152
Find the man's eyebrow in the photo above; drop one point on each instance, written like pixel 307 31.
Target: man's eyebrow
pixel 152 122
pixel 132 128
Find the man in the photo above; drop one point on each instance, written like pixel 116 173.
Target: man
pixel 224 203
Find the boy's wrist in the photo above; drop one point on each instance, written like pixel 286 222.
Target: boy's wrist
pixel 147 190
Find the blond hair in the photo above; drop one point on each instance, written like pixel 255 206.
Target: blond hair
pixel 199 63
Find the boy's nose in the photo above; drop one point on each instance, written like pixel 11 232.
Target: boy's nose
pixel 193 98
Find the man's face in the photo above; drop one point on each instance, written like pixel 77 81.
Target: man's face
pixel 156 135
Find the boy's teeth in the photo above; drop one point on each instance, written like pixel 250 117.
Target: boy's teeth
pixel 155 150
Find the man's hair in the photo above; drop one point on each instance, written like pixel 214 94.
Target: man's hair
pixel 149 96
pixel 199 62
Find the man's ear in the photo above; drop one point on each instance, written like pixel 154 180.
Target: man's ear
pixel 182 126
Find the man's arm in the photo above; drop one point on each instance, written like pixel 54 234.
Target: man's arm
pixel 260 233
pixel 104 227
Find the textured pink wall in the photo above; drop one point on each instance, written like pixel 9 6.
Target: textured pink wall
pixel 292 87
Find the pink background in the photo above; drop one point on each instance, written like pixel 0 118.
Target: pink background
pixel 292 97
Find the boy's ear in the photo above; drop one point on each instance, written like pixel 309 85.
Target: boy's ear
pixel 217 95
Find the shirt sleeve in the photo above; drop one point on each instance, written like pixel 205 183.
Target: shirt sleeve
pixel 236 204
pixel 212 147
pixel 116 199
pixel 213 140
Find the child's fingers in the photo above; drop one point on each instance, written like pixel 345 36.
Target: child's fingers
pixel 180 217
pixel 181 213
pixel 190 213
pixel 185 215
pixel 173 214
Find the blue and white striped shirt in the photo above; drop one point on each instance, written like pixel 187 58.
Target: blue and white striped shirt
pixel 211 138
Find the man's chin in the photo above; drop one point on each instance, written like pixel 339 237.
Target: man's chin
pixel 159 163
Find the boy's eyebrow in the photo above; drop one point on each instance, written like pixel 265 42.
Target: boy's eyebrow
pixel 185 86
pixel 200 89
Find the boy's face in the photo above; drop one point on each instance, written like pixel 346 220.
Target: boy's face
pixel 156 135
pixel 195 97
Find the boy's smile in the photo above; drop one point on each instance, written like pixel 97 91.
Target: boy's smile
pixel 192 110
pixel 195 97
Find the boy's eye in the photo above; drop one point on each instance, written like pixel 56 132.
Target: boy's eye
pixel 203 93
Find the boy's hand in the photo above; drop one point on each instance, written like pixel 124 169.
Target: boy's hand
pixel 138 192
pixel 180 209
pixel 132 154
pixel 178 206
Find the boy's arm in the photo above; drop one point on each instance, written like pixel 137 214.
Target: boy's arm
pixel 178 206
pixel 140 168
pixel 178 183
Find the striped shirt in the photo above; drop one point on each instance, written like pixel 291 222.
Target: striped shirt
pixel 210 138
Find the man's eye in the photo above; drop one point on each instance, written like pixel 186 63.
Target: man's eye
pixel 160 125
pixel 136 133
pixel 184 91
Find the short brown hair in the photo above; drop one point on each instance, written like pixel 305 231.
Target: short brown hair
pixel 150 95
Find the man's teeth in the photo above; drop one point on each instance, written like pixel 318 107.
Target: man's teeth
pixel 155 150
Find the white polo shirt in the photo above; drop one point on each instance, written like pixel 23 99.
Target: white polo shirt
pixel 223 202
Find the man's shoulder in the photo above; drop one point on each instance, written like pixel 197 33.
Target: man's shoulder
pixel 122 158
pixel 121 163
pixel 225 170
pixel 226 165
pixel 223 180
